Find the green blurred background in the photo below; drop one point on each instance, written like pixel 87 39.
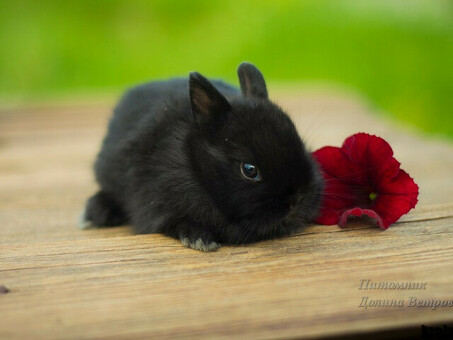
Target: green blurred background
pixel 399 54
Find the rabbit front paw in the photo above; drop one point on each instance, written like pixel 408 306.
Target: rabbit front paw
pixel 200 244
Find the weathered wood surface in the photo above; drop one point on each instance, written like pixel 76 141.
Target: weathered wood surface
pixel 70 284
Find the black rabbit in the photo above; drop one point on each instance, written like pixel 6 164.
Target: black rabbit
pixel 198 161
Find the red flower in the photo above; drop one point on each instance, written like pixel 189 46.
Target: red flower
pixel 363 178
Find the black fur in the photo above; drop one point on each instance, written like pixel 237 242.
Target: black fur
pixel 170 163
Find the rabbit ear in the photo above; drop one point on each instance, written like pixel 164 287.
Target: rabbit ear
pixel 252 81
pixel 206 101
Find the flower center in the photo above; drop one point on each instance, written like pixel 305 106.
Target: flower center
pixel 372 196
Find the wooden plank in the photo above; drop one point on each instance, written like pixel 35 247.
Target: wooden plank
pixel 72 284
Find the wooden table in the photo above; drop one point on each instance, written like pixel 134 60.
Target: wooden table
pixel 110 284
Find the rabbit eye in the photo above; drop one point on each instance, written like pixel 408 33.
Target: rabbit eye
pixel 250 171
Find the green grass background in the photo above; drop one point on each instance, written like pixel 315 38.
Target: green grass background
pixel 398 53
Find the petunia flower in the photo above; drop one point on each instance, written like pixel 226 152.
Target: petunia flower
pixel 363 178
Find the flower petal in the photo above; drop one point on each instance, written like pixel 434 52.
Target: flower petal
pixel 397 197
pixel 373 155
pixel 359 212
pixel 336 199
pixel 327 217
pixel 333 162
pixel 335 169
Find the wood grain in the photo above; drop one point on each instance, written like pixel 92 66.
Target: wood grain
pixel 109 284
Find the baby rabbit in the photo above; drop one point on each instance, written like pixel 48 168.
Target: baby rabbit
pixel 205 163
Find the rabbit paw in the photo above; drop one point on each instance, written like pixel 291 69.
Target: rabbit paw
pixel 83 223
pixel 102 211
pixel 202 243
